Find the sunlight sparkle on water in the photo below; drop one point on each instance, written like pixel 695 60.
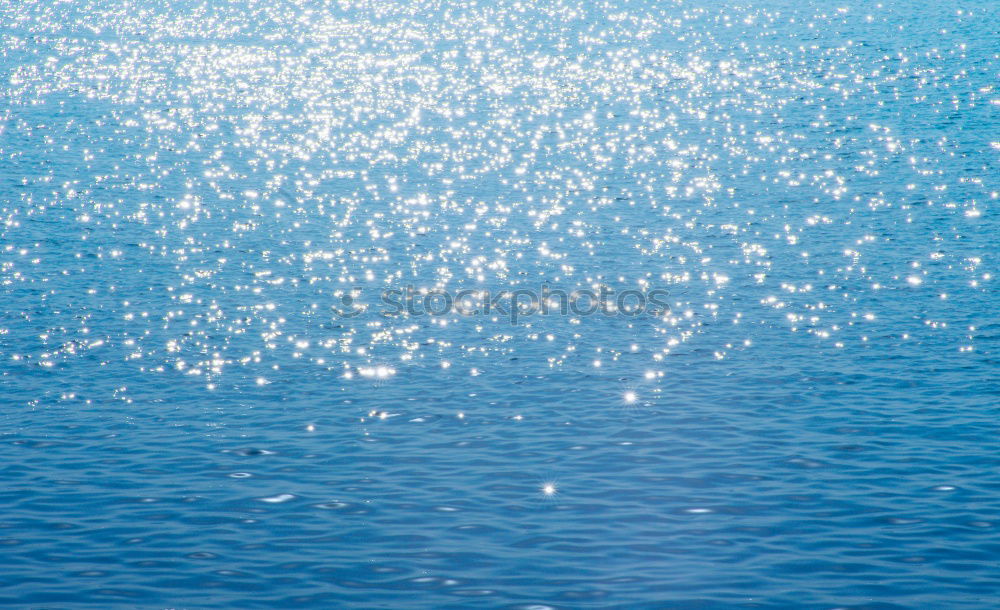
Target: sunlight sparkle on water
pixel 209 200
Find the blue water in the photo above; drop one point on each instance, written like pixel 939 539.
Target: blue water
pixel 191 191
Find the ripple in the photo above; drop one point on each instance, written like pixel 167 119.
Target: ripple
pixel 206 208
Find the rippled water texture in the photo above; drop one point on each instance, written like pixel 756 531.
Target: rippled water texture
pixel 189 191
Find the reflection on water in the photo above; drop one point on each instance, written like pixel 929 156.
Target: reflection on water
pixel 190 194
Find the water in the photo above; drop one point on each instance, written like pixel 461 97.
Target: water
pixel 189 192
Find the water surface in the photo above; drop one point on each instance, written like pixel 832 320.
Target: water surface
pixel 189 190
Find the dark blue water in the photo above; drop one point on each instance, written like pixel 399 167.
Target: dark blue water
pixel 203 403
